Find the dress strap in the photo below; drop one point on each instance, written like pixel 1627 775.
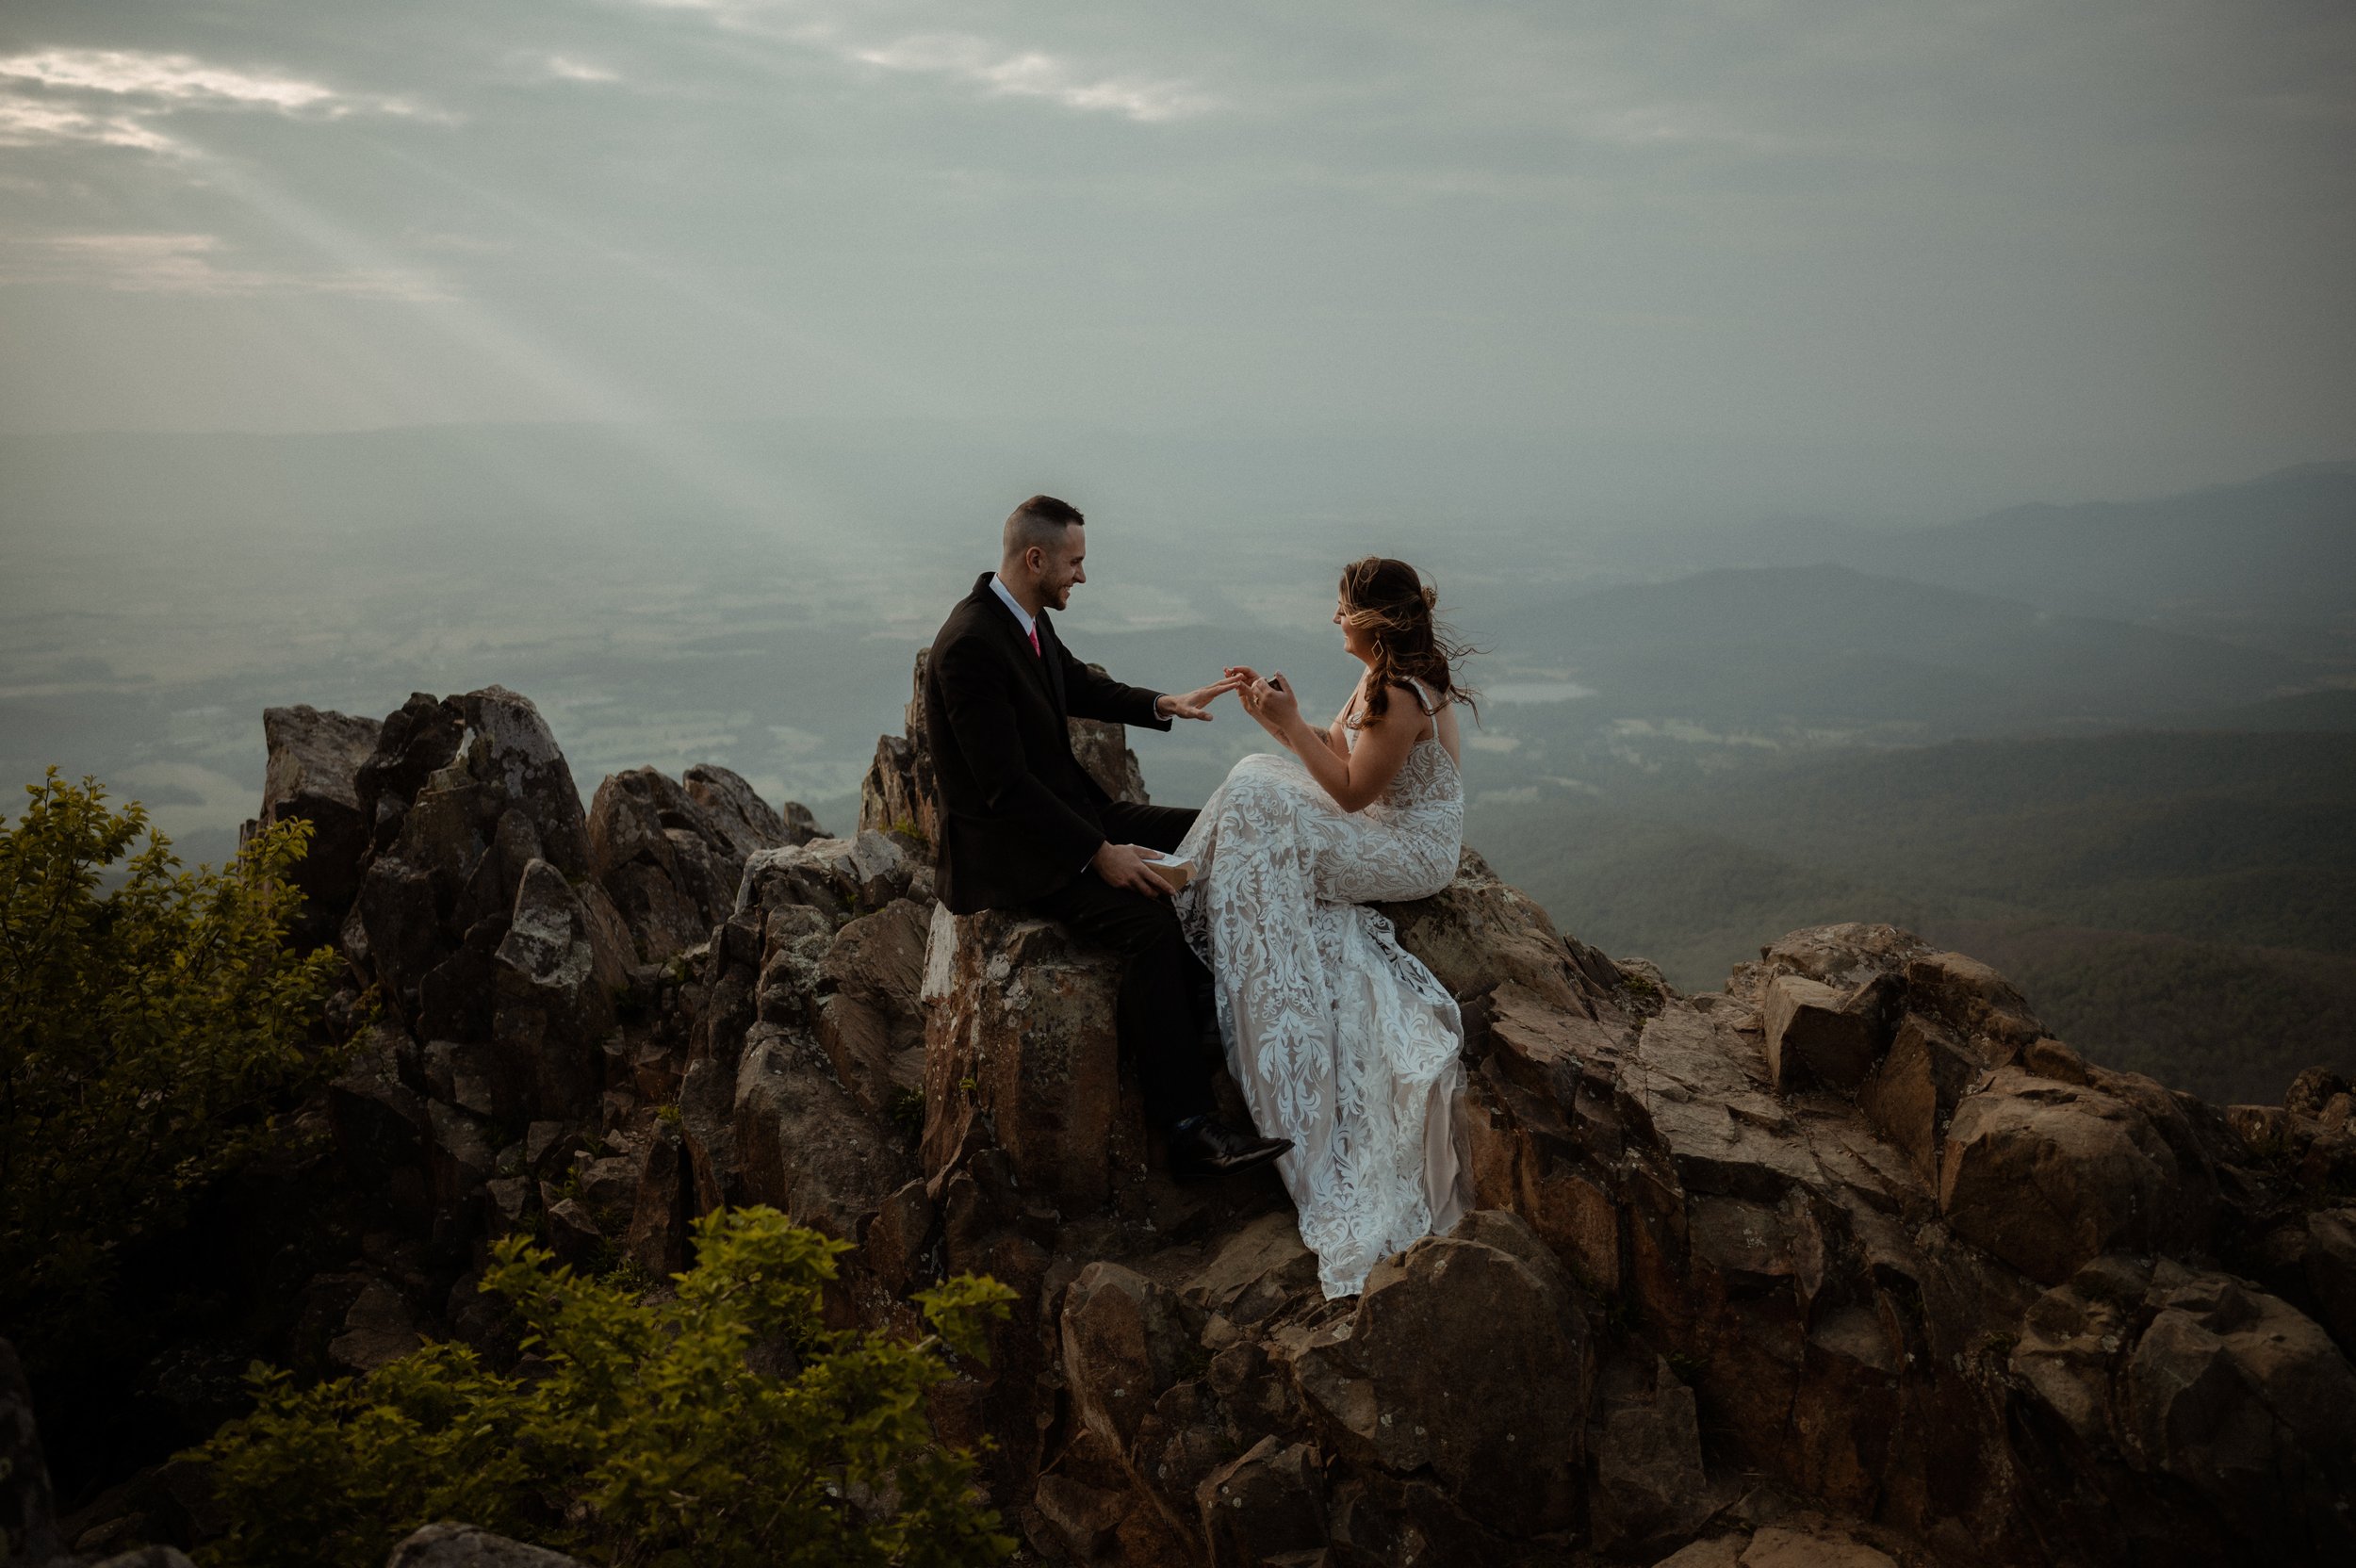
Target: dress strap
pixel 1423 698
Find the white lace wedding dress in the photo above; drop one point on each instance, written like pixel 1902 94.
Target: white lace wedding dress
pixel 1339 1039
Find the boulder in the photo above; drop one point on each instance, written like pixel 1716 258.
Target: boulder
pixel 456 1545
pixel 1971 998
pixel 147 1556
pixel 663 1212
pixel 557 982
pixel 1478 933
pixel 739 815
pixel 1912 1092
pixel 1268 1503
pixel 1819 1034
pixel 802 1144
pixel 1650 1485
pixel 871 1018
pixel 28 1516
pixel 842 878
pixel 1126 1340
pixel 2210 1383
pixel 379 1329
pixel 314 776
pixel 1020 1037
pixel 1843 955
pixel 508 745
pixel 1467 1353
pixel 2331 1271
pixel 2048 1175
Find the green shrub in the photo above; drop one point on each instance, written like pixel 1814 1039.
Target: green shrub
pixel 723 1427
pixel 146 1033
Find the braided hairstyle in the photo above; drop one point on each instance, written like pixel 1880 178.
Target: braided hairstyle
pixel 1386 599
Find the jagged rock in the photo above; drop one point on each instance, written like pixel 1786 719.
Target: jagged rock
pixel 803 1144
pixel 1085 1520
pixel 1816 1033
pixel 456 1545
pixel 1467 1353
pixel 1843 955
pixel 1256 1272
pixel 1021 1036
pixel 842 878
pixel 461 1162
pixel 28 1516
pixel 2049 1175
pixel 871 1014
pixel 2218 1386
pixel 2313 1089
pixel 2331 1271
pixel 1650 1484
pixel 1126 1340
pixel 414 743
pixel 378 1330
pixel 1268 1503
pixel 573 1233
pixel 739 814
pixel 663 1212
pixel 1912 1093
pixel 509 745
pixel 671 861
pixel 1479 933
pixel 380 1122
pixel 899 1237
pixel 557 982
pixel 314 775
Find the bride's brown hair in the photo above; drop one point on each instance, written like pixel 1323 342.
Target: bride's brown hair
pixel 1386 599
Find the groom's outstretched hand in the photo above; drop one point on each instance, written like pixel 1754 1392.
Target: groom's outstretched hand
pixel 1123 866
pixel 1196 703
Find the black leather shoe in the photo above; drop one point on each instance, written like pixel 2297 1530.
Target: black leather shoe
pixel 1211 1148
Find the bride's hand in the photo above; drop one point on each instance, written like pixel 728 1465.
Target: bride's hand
pixel 1271 701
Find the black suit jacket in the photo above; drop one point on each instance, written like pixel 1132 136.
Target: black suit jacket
pixel 1019 816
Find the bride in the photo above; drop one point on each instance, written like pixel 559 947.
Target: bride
pixel 1340 1039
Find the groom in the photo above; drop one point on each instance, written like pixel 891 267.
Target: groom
pixel 1024 827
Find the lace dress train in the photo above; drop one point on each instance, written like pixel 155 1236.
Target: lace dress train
pixel 1339 1039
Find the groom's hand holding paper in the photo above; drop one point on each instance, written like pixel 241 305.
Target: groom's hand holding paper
pixel 1124 866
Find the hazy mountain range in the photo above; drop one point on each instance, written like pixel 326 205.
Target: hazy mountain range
pixel 1694 732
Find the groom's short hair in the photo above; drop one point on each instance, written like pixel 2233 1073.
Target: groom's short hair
pixel 1042 521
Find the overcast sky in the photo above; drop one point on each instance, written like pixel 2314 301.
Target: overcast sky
pixel 2001 228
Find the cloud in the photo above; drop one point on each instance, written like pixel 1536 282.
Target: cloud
pixel 1032 73
pixel 187 264
pixel 563 68
pixel 37 121
pixel 111 97
pixel 178 79
pixel 1000 70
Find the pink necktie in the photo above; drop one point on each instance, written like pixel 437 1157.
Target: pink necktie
pixel 1035 642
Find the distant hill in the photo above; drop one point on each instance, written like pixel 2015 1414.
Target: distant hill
pixel 2272 561
pixel 1833 646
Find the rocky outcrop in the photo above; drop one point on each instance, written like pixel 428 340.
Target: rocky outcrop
pixel 1850 1262
pixel 314 776
pixel 456 1545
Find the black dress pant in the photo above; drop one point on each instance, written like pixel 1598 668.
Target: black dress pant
pixel 1162 982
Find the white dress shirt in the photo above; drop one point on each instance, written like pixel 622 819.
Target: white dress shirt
pixel 1029 621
